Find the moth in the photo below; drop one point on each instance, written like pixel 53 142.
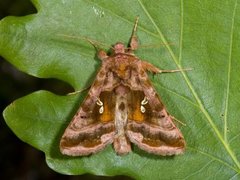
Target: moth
pixel 122 107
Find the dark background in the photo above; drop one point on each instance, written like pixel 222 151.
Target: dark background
pixel 19 160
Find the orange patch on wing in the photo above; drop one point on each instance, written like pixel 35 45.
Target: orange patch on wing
pixel 138 115
pixel 108 107
pixel 107 114
pixel 135 112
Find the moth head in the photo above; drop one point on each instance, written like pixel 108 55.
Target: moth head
pixel 119 48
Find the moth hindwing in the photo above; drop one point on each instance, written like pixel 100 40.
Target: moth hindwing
pixel 122 107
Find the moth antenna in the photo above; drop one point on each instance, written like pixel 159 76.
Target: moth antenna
pixel 134 40
pixel 111 47
pixel 92 42
pixel 174 70
pixel 178 121
pixel 79 91
pixel 135 26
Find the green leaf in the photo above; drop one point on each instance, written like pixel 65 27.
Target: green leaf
pixel 202 35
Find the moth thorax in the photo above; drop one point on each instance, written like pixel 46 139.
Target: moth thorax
pixel 119 48
pixel 121 90
pixel 123 72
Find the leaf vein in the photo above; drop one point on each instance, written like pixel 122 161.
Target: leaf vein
pixel 229 72
pixel 199 170
pixel 234 176
pixel 181 32
pixel 214 158
pixel 180 96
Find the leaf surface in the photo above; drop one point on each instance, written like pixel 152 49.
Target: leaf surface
pixel 202 35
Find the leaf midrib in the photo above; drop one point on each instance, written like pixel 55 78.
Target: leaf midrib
pixel 229 73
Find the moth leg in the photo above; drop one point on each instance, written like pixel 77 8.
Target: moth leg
pixel 79 91
pixel 174 118
pixel 102 55
pixel 134 40
pixel 151 68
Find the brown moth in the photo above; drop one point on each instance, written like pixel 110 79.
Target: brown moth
pixel 122 107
